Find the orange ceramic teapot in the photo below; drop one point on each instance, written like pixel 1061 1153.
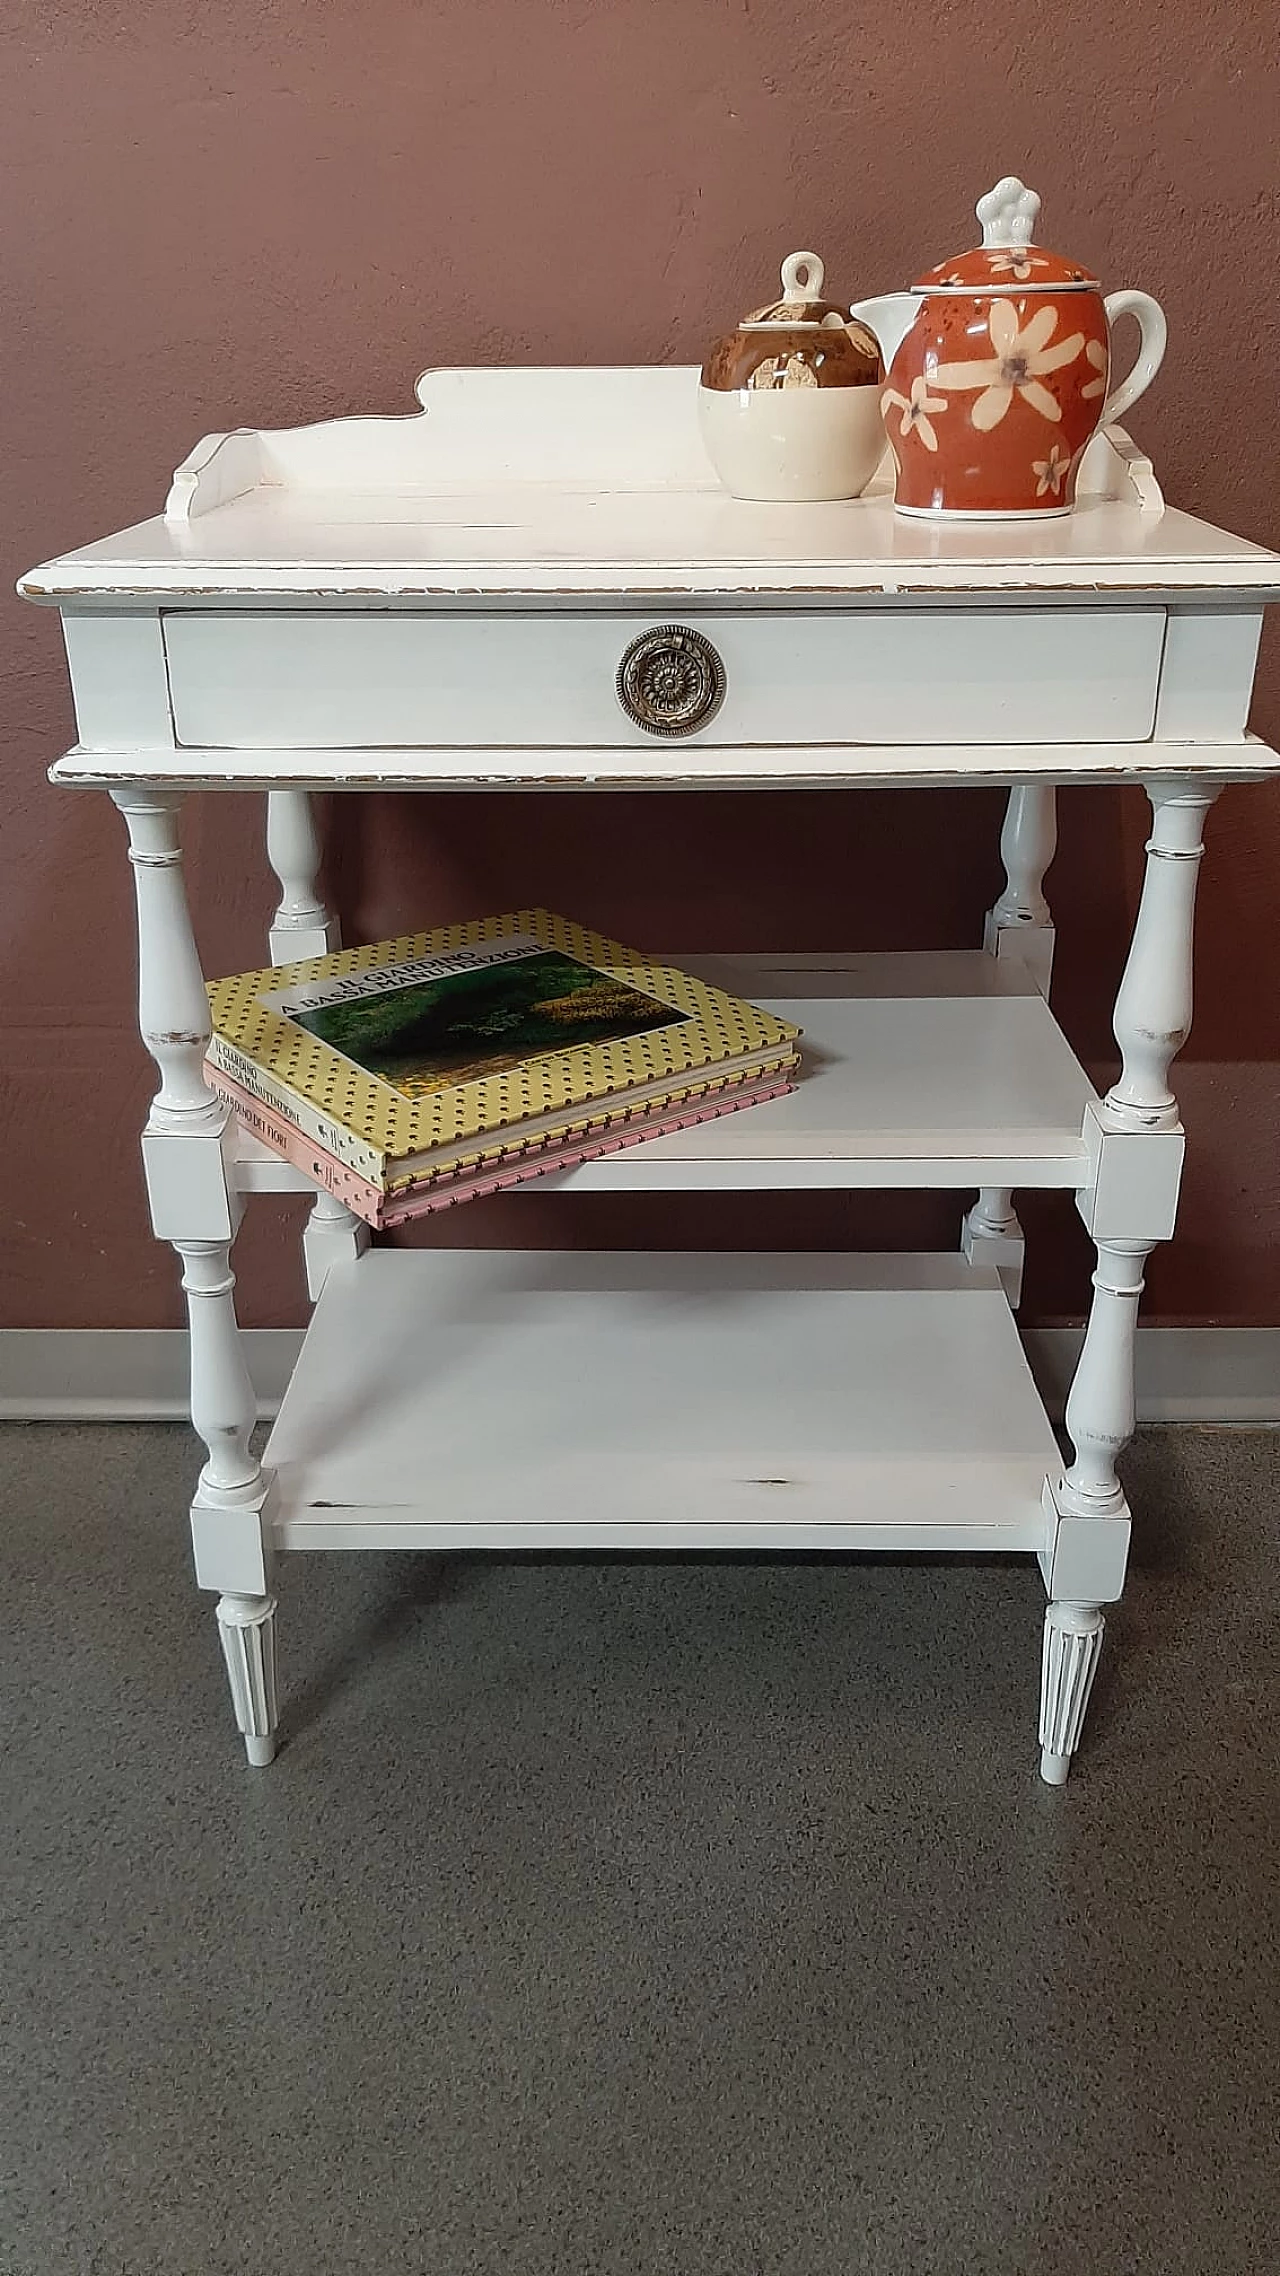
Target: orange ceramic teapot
pixel 999 364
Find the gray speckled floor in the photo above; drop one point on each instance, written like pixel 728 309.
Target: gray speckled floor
pixel 670 1919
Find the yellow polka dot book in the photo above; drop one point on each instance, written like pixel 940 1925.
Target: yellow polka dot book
pixel 420 1071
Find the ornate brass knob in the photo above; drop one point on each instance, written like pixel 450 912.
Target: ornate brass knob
pixel 671 681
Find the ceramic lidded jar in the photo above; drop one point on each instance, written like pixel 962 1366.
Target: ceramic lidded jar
pixel 1000 375
pixel 789 403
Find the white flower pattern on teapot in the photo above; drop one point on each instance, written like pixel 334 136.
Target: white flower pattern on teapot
pixel 1022 336
pixel 1022 359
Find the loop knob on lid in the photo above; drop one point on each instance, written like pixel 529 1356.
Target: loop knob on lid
pixel 802 277
pixel 1008 213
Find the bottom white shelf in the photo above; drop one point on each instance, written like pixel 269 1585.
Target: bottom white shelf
pixel 490 1400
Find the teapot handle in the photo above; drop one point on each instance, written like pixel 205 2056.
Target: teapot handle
pixel 1155 333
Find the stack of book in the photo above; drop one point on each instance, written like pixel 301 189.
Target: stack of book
pixel 420 1072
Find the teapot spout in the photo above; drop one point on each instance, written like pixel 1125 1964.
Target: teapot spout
pixel 888 316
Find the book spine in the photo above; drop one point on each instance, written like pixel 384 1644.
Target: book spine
pixel 423 1196
pixel 602 1122
pixel 447 1193
pixel 316 1162
pixel 367 1161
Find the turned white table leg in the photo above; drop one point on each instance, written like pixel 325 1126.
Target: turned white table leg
pixel 1090 1556
pixel 1090 1511
pixel 173 1010
pixel 223 1406
pixel 991 1234
pixel 302 925
pixel 1136 1141
pixel 226 1516
pixel 1020 923
pixel 247 1628
pixel 188 1155
pixel 1072 1648
pixel 1100 1406
pixel 334 1235
pixel 1153 1009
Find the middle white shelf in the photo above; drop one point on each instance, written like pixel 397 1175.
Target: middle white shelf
pixel 930 1070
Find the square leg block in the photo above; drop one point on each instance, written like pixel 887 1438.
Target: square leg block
pixel 191 1183
pixel 1002 1252
pixel 234 1548
pixel 1132 1193
pixel 1087 1557
pixel 1032 945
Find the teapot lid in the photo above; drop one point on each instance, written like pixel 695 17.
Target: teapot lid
pixel 802 302
pixel 1007 260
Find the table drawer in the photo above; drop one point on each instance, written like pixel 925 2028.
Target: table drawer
pixel 326 682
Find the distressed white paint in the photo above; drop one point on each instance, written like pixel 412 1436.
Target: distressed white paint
pixel 230 1511
pixel 173 1010
pixel 246 1628
pixel 1028 842
pixel 194 1188
pixel 223 1409
pixel 333 1235
pixel 1135 1152
pixel 633 428
pixel 1019 924
pixel 1132 1180
pixel 1206 676
pixel 195 1200
pixel 943 1070
pixel 374 680
pixel 302 925
pixel 379 549
pixel 934 1070
pixel 119 679
pixel 1114 466
pixel 220 469
pixel 334 598
pixel 991 1234
pixel 582 483
pixel 1100 1409
pixel 1072 1649
pixel 1086 1558
pixel 841 1402
pixel 620 427
pixel 1153 1008
pixel 678 766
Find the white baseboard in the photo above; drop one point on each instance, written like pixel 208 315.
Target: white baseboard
pixel 1201 1375
pixel 1195 1375
pixel 123 1374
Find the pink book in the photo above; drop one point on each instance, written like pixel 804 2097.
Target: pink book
pixel 530 1160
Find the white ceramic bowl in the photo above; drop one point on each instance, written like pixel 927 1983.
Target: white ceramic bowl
pixel 793 443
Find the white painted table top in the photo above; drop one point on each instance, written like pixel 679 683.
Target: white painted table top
pixel 554 541
pixel 574 484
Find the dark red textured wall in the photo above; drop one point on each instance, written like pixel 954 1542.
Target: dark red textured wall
pixel 278 210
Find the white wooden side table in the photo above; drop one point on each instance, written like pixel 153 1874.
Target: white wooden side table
pixel 441 602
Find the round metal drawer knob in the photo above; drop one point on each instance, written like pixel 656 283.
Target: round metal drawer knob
pixel 671 681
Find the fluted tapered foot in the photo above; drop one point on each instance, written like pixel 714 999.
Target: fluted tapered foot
pixel 246 1625
pixel 1072 1649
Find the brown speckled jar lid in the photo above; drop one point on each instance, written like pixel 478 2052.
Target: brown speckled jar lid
pixel 801 340
pixel 803 276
